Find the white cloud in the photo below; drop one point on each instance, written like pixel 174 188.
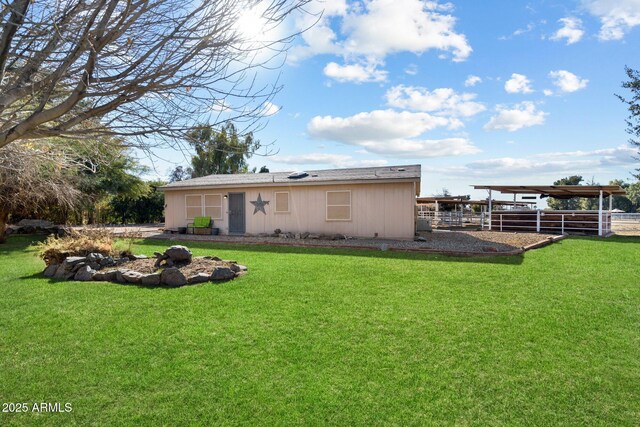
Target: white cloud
pixel 335 160
pixel 520 116
pixel 571 30
pixel 269 109
pixel 472 80
pixel 377 28
pixel 577 162
pixel 547 92
pixel 518 83
pixel 442 101
pixel 412 69
pixel 567 82
pixel 375 125
pixel 355 73
pixel 391 133
pixel 616 16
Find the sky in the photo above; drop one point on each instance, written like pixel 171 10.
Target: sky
pixel 477 92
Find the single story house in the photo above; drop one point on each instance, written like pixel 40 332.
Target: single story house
pixel 362 202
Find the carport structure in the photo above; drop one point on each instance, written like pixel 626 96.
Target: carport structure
pixel 587 222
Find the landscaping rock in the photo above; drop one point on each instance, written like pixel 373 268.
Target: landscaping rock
pixel 313 236
pixel 60 272
pixel 132 276
pixel 107 262
pixel 73 260
pixel 236 268
pixel 110 276
pixel 84 274
pixel 152 279
pixel 50 271
pixel 120 275
pixel 198 278
pixel 178 253
pixel 139 257
pixel 173 277
pixel 222 273
pixel 95 257
pixel 305 235
pixel 419 239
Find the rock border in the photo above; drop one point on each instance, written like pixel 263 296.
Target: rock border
pixel 98 267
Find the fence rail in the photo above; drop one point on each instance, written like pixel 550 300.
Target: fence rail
pixel 554 222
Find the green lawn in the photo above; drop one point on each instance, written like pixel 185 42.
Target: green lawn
pixel 338 337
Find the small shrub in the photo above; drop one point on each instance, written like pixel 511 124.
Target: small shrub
pixel 55 249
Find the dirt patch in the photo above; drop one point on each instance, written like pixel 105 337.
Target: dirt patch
pixel 463 242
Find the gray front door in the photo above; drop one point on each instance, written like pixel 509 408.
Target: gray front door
pixel 236 213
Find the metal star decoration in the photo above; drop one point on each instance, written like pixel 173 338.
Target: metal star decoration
pixel 259 205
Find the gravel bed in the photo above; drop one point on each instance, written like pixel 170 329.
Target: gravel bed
pixel 444 241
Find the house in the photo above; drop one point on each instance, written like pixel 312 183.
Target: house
pixel 362 202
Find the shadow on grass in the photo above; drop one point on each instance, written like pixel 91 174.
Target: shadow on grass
pixel 369 253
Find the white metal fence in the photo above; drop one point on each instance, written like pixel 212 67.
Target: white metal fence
pixel 450 219
pixel 626 223
pixel 553 222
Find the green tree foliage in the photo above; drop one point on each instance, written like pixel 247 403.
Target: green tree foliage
pixel 145 207
pixel 572 203
pixel 633 103
pixel 180 173
pixel 221 152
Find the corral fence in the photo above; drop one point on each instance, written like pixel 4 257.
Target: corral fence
pixel 450 219
pixel 626 223
pixel 551 222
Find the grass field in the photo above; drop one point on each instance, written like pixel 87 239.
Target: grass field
pixel 333 337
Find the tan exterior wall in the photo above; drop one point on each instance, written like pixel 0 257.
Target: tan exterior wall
pixel 383 208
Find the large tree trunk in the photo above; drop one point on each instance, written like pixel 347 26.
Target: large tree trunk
pixel 3 224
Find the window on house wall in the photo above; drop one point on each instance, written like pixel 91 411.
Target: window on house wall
pixel 193 203
pixel 339 205
pixel 282 202
pixel 213 206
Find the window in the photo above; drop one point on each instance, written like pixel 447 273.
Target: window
pixel 193 202
pixel 282 202
pixel 339 205
pixel 213 206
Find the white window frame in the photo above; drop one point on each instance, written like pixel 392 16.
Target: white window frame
pixel 204 205
pixel 186 206
pixel 327 205
pixel 275 197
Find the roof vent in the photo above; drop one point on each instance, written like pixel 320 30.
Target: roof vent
pixel 297 175
pixel 401 169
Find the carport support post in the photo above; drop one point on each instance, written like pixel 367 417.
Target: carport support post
pixel 610 202
pixel 490 205
pixel 600 215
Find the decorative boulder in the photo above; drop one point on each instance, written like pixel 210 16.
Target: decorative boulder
pixel 152 279
pixel 132 276
pixel 222 273
pixel 198 278
pixel 173 277
pixel 50 271
pixel 178 253
pixel 84 274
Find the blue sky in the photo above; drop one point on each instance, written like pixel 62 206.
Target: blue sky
pixel 477 92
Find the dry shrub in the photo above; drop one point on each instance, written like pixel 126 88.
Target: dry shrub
pixel 77 243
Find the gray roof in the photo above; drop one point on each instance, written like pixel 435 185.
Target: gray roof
pixel 386 173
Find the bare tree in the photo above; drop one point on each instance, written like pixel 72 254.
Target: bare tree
pixel 33 177
pixel 143 67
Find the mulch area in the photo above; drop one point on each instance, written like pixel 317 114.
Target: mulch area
pixel 197 265
pixel 450 242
